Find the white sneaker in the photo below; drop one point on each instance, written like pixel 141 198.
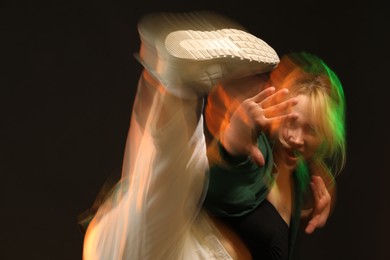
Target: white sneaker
pixel 190 52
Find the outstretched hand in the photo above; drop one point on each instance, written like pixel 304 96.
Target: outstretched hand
pixel 261 113
pixel 322 205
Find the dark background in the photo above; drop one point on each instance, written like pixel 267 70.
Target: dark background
pixel 68 80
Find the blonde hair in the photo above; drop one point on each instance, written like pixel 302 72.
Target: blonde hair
pixel 306 74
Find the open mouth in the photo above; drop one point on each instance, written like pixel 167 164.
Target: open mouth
pixel 292 154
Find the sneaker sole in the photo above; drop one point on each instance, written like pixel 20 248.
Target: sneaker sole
pixel 224 43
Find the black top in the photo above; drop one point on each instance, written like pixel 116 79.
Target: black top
pixel 264 232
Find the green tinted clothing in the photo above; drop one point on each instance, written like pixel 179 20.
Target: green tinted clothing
pixel 238 186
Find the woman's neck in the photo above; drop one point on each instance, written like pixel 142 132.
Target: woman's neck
pixel 282 192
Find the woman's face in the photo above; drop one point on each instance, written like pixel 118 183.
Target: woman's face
pixel 299 135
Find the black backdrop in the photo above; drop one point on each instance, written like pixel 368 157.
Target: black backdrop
pixel 68 80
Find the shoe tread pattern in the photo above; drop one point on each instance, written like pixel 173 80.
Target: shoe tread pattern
pixel 233 43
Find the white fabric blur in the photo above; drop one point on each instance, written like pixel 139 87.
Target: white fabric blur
pixel 155 211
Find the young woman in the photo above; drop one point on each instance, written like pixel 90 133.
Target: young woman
pixel 156 210
pixel 260 177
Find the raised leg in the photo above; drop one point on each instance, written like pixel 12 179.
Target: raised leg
pixel 152 210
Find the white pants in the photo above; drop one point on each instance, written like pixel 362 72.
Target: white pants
pixel 155 211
